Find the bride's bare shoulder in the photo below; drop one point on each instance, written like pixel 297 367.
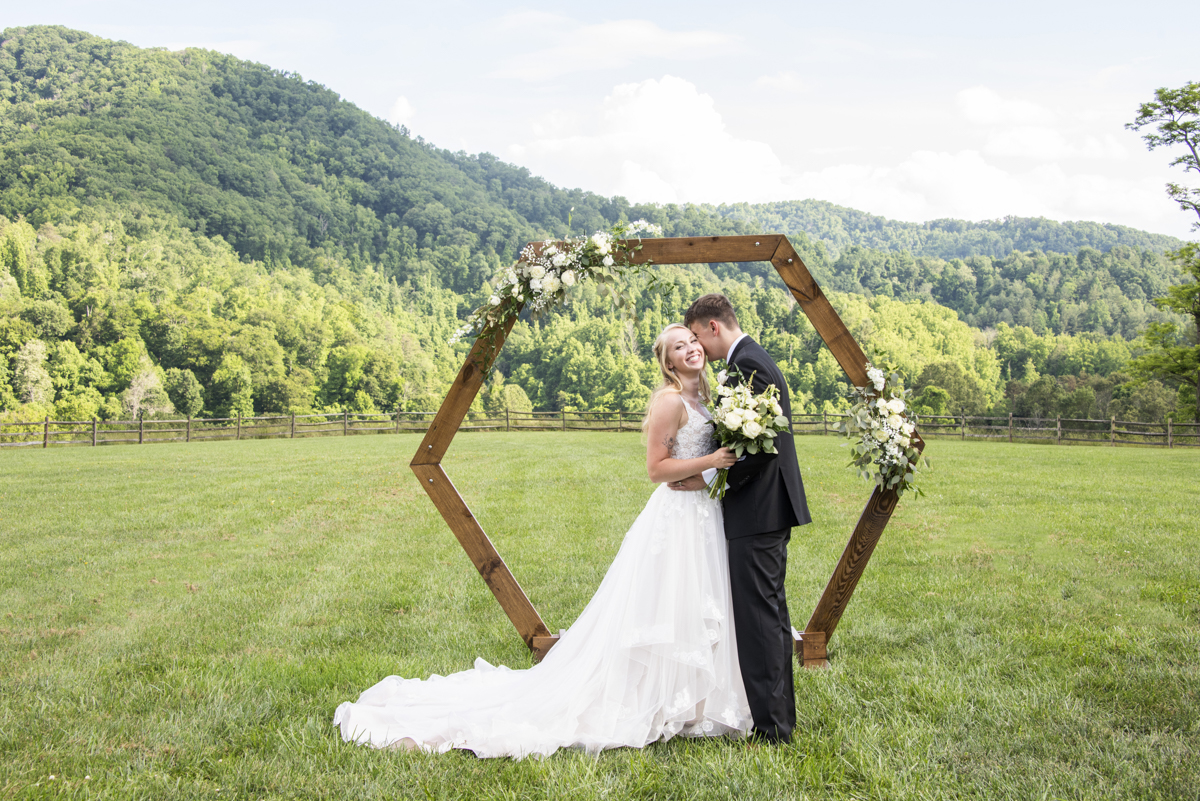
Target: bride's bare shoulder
pixel 667 405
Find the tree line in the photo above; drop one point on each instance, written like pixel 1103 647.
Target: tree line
pixel 188 233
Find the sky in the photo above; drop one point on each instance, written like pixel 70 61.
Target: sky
pixel 914 111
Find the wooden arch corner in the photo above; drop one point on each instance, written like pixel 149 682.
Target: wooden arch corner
pixel 426 463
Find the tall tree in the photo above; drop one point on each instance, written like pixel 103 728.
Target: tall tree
pixel 1170 354
pixel 1175 113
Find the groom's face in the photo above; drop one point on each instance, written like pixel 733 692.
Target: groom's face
pixel 708 332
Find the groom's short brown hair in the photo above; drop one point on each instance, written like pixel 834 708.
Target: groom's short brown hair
pixel 710 307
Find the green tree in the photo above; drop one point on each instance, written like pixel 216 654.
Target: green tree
pixel 1170 354
pixel 1175 113
pixel 184 390
pixel 232 389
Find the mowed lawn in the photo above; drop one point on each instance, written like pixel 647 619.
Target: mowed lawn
pixel 180 621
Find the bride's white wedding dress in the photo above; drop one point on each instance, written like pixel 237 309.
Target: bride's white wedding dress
pixel 653 655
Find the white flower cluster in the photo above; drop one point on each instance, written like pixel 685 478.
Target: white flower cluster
pixel 879 425
pixel 739 411
pixel 543 274
pixel 745 422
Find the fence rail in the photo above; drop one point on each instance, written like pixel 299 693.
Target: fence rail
pixel 1057 430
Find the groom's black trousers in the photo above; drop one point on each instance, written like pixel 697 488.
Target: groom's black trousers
pixel 757 565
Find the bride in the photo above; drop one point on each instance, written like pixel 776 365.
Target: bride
pixel 652 655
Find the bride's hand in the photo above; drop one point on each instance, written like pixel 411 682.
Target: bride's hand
pixel 723 457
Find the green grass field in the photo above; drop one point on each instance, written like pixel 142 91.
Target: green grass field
pixel 179 621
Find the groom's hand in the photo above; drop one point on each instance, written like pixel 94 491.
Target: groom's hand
pixel 689 484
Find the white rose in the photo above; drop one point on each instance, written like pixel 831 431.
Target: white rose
pixel 896 405
pixel 895 421
pixel 908 428
pixel 551 284
pixel 568 278
pixel 559 259
pixel 722 377
pixel 905 441
pixel 877 378
pixel 776 409
pixel 881 405
pixel 880 434
pixel 550 251
pixel 751 429
pixel 608 261
pixel 537 271
pixel 494 300
pixel 733 420
pixel 535 284
pixel 520 298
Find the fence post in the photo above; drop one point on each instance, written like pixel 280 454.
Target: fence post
pixel 397 418
pixel 293 429
pixel 564 420
pixel 963 430
pixel 46 432
pixel 345 423
pixel 1058 430
pixel 141 427
pixel 1010 427
pixel 238 435
pixel 824 423
pixel 1170 444
pixel 507 419
pixel 1112 431
pixel 188 436
pixel 93 432
pixel 621 419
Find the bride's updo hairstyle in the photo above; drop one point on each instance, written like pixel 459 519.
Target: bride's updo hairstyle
pixel 670 382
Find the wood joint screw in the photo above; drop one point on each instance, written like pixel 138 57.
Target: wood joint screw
pixel 755 244
pixel 789 261
pixel 431 481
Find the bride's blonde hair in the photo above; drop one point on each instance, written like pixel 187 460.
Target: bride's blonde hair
pixel 670 381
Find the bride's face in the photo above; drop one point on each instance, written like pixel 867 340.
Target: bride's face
pixel 684 352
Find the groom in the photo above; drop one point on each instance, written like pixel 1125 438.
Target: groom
pixel 764 500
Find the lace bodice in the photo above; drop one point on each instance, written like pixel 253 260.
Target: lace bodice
pixel 695 437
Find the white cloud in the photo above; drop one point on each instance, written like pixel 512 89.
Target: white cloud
pixel 607 45
pixel 984 106
pixel 658 140
pixel 402 112
pixel 786 81
pixel 963 185
pixel 665 141
pixel 1049 144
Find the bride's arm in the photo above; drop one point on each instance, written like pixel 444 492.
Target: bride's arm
pixel 666 418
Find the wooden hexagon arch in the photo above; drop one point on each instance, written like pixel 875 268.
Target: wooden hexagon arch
pixel 810 646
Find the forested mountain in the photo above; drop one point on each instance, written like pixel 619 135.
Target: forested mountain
pixel 839 228
pixel 187 232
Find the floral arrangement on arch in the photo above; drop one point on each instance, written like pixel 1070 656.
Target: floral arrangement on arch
pixel 882 428
pixel 542 277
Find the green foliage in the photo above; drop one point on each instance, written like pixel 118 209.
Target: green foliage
pixel 1175 113
pixel 187 212
pixel 184 391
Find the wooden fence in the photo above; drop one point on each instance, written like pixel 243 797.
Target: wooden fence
pixel 1057 430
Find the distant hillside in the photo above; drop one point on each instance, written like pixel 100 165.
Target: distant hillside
pixel 839 227
pixel 188 231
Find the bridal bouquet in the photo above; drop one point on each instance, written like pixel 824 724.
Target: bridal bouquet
pixel 744 423
pixel 543 275
pixel 881 427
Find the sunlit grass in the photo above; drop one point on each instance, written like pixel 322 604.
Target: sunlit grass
pixel 182 619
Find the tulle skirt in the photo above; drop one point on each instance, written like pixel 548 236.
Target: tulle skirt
pixel 652 656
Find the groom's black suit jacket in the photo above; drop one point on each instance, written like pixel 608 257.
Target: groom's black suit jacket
pixel 765 490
